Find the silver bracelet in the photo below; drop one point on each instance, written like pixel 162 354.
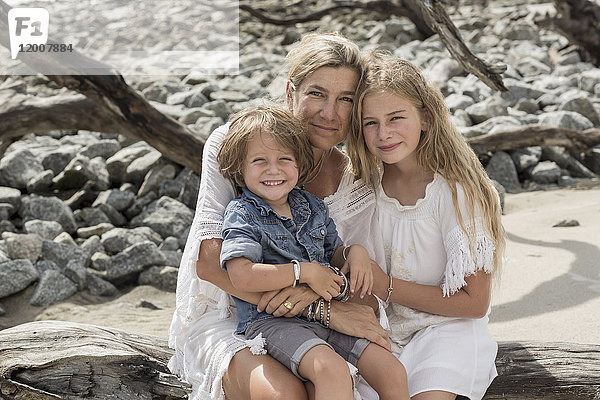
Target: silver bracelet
pixel 344 253
pixel 296 264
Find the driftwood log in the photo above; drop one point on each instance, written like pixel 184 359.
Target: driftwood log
pixel 64 360
pixel 109 100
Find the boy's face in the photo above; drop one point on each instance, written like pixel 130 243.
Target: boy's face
pixel 270 170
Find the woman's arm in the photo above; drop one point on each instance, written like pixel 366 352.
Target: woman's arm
pixel 471 301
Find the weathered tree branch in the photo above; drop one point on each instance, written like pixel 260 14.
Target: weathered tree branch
pixel 400 8
pixel 535 135
pixel 429 16
pixel 118 101
pixel 64 360
pixel 578 21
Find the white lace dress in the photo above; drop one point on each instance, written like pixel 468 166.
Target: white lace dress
pixel 204 320
pixel 425 244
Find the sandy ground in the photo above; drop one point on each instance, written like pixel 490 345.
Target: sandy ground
pixel 549 288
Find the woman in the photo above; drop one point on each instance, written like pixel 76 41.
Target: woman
pixel 324 74
pixel 440 225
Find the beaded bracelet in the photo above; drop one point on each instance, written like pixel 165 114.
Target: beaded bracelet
pixel 328 314
pixel 321 310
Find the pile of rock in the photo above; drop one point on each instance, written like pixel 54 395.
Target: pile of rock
pixel 83 210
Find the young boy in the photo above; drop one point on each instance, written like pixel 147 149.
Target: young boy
pixel 276 235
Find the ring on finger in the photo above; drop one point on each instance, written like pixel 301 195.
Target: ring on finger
pixel 287 304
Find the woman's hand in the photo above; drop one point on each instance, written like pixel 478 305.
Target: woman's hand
pixel 300 296
pixel 360 321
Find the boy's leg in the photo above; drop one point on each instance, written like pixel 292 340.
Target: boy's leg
pixel 328 371
pixel 384 372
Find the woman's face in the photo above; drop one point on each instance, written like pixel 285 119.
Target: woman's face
pixel 391 127
pixel 324 102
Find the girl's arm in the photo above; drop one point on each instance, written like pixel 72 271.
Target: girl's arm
pixel 471 301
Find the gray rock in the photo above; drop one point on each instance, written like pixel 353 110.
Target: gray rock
pixel 154 177
pixel 569 58
pixel 169 244
pixel 501 193
pixel 19 167
pixel 166 216
pixel 76 272
pixel 40 183
pixel 2 311
pixel 458 102
pixel 53 287
pixel 229 96
pixel 15 276
pixel 137 170
pixel 156 93
pixel 89 231
pixel 566 119
pixel 163 278
pixel 191 182
pixel 502 169
pixel 7 226
pixel 65 238
pixel 20 246
pixel 563 159
pixel 139 205
pixel 592 160
pixel 117 164
pixel 119 199
pixel 588 80
pixel 80 170
pixel 6 211
pixel 57 159
pixel 99 287
pixel 582 105
pixel 204 126
pixel 172 258
pixel 91 216
pixel 49 209
pixel 184 236
pixel 3 257
pixel 566 223
pixel 529 66
pixel 46 265
pixel 125 266
pixel 100 261
pixel 489 108
pixel 548 99
pixel 170 188
pixel 495 123
pixel 518 90
pixel 192 115
pixel 10 196
pixel 115 217
pixel 545 172
pixel 526 158
pixel 61 254
pixel 220 107
pixel 173 111
pixel 527 105
pixel 103 148
pixel 93 245
pixel 119 239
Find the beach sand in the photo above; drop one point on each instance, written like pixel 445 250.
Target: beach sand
pixel 549 288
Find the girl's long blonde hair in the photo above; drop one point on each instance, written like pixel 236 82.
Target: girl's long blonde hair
pixel 442 149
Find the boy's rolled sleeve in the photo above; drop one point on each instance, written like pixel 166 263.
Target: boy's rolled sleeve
pixel 239 239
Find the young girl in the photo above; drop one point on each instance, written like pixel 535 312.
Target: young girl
pixel 276 235
pixel 440 225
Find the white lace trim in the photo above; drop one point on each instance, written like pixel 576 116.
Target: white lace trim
pixel 349 200
pixel 461 262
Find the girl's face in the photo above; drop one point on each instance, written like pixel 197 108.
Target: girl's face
pixel 392 127
pixel 270 170
pixel 324 103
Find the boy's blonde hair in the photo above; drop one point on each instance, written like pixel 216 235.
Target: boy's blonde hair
pixel 441 149
pixel 316 50
pixel 278 121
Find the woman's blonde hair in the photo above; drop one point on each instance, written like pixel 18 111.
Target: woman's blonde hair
pixel 316 50
pixel 441 149
pixel 279 122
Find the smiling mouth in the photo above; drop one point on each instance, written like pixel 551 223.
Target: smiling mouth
pixel 325 128
pixel 389 147
pixel 272 183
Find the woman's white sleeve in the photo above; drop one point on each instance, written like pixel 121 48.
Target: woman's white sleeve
pixel 463 257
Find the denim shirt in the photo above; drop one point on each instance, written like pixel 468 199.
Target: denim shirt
pixel 252 229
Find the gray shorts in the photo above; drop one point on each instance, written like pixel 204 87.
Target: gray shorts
pixel 289 339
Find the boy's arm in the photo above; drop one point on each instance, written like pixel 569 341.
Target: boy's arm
pixel 259 277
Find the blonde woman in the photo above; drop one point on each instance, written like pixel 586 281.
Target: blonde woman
pixel 323 76
pixel 440 226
